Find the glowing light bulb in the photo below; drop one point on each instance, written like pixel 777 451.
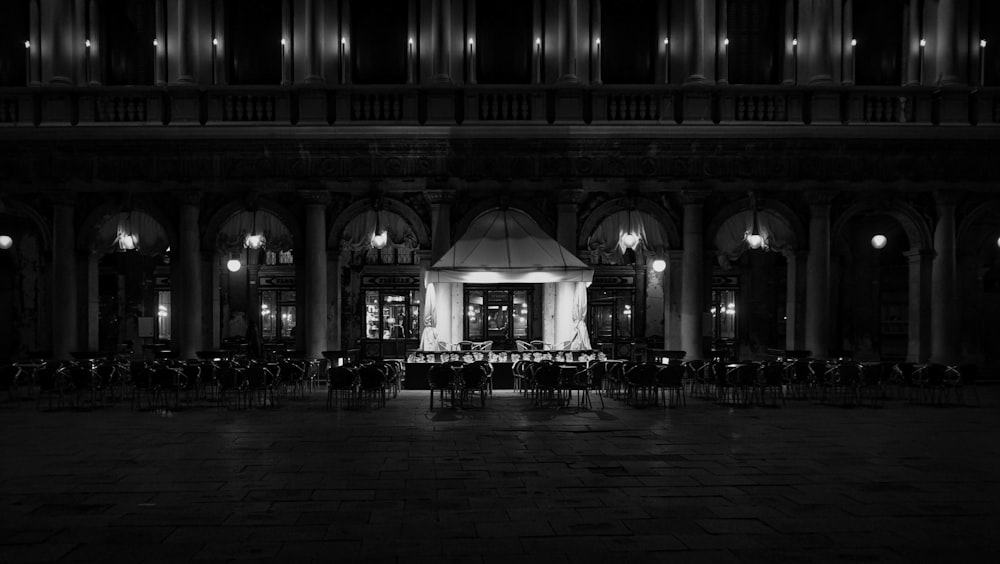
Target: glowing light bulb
pixel 659 265
pixel 879 241
pixel 630 240
pixel 6 242
pixel 755 241
pixel 233 265
pixel 380 239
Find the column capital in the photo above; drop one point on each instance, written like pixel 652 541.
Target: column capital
pixel 188 197
pixel 819 197
pixel 571 196
pixel 692 198
pixel 439 196
pixel 919 255
pixel 314 197
pixel 947 198
pixel 64 199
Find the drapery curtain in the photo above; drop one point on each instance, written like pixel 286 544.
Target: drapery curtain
pixel 731 239
pixel 605 243
pixel 234 231
pixel 581 338
pixel 429 335
pixel 150 237
pixel 358 232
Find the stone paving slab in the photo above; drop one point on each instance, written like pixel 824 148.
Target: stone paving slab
pixel 510 482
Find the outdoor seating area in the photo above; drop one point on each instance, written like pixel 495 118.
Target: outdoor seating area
pixel 238 383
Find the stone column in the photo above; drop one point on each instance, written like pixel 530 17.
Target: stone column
pixel 952 53
pixel 595 26
pixel 210 285
pixel 790 299
pixel 61 46
pixel 64 289
pixel 314 271
pixel 818 275
pixel 187 303
pixel 672 300
pixel 566 222
pixel 819 16
pixel 441 41
pixel 313 40
pixel 918 311
pixel 184 48
pixel 945 332
pixel 692 278
pixel 696 42
pixel 92 330
pixel 440 201
pixel 567 40
pixel 913 72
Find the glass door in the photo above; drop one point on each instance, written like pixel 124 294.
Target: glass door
pixel 500 315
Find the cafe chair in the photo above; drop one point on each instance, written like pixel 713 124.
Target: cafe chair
pixel 441 378
pixel 640 383
pixel 522 345
pixel 52 382
pixel 474 379
pixel 547 384
pixel 771 384
pixel 9 376
pixel 372 383
pixel 670 384
pixel 341 386
pixel 961 378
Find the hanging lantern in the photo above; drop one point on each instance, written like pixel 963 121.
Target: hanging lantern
pixel 380 237
pixel 6 242
pixel 754 239
pixel 253 239
pixel 630 239
pixel 879 241
pixel 127 238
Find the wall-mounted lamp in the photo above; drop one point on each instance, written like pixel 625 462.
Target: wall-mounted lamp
pixel 6 242
pixel 233 265
pixel 659 265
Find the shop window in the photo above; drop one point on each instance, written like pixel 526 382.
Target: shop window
pixel 392 314
pixel 378 41
pixel 628 41
pixel 127 31
pixel 878 29
pixel 755 29
pixel 277 315
pixel 163 315
pixel 13 34
pixel 253 41
pixel 724 322
pixel 504 42
pixel 501 315
pixel 611 314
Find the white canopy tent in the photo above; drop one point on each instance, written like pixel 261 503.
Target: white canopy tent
pixel 508 246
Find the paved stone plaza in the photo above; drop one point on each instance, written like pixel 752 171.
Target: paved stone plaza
pixel 507 483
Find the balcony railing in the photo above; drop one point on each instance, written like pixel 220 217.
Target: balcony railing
pixel 652 105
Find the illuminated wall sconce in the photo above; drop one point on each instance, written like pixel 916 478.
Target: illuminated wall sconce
pixel 6 242
pixel 233 265
pixel 879 241
pixel 659 265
